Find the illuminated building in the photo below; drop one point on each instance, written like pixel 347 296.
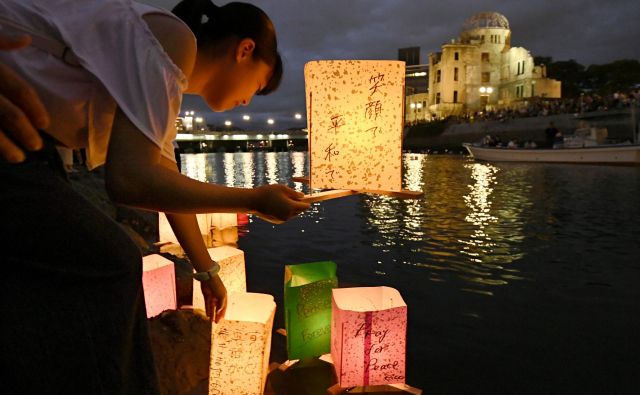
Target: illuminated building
pixel 480 71
pixel 416 85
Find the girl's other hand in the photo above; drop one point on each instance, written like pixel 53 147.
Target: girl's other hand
pixel 215 298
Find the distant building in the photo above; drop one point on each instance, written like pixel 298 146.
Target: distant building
pixel 180 125
pixel 416 85
pixel 480 71
pixel 409 55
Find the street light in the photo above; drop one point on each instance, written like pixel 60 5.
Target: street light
pixel 246 117
pixel 485 92
pixel 270 121
pixel 227 123
pixel 298 116
pixel 188 120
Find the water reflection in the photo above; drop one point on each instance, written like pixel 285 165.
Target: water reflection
pixel 195 166
pixel 248 170
pixel 229 169
pixel 298 160
pixel 272 167
pixel 469 225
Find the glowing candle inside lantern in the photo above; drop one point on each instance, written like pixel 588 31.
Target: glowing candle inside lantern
pixel 159 284
pixel 368 338
pixel 240 345
pixel 232 273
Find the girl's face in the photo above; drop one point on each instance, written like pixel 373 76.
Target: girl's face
pixel 238 80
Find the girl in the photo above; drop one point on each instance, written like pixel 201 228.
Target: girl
pixel 111 74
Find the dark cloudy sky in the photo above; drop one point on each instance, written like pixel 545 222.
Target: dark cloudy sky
pixel 588 31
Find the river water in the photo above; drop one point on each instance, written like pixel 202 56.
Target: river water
pixel 519 278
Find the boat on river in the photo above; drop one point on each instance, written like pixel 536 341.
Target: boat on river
pixel 618 154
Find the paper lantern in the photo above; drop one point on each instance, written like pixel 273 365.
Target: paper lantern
pixel 368 338
pixel 206 222
pixel 166 233
pixel 240 346
pixel 307 304
pixel 223 220
pixel 232 273
pixel 226 236
pixel 159 284
pixel 355 115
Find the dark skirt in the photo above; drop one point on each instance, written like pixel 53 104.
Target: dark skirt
pixel 73 313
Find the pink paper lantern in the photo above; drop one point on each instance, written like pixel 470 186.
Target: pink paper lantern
pixel 368 336
pixel 159 284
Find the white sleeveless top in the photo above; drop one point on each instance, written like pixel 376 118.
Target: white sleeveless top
pixel 122 65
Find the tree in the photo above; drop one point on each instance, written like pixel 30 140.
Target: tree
pixel 571 73
pixel 621 75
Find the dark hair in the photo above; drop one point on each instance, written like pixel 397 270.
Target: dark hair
pixel 239 20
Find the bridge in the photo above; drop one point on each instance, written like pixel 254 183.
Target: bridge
pixel 230 140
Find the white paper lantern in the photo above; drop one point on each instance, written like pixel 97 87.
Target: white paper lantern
pixel 240 346
pixel 232 273
pixel 206 222
pixel 368 336
pixel 166 234
pixel 159 284
pixel 355 116
pixel 222 221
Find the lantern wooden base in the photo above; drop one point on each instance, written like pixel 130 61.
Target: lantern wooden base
pixel 375 389
pixel 309 377
pixel 338 193
pixel 327 195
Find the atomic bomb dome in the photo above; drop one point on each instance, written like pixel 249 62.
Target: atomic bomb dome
pixel 485 20
pixel 481 72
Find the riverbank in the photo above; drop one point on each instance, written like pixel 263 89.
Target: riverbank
pixel 451 135
pixel 181 339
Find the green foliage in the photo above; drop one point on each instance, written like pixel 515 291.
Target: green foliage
pixel 604 79
pixel 608 78
pixel 572 75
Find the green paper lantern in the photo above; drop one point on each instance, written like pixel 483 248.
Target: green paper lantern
pixel 307 306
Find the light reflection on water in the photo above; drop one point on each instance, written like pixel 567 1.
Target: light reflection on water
pixel 474 222
pixel 527 272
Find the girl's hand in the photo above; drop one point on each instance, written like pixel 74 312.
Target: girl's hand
pixel 215 298
pixel 277 203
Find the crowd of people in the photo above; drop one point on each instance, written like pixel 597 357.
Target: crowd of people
pixel 588 102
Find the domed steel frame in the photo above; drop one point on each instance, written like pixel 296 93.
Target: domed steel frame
pixel 486 20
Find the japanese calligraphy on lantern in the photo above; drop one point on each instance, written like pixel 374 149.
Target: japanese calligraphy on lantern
pixel 307 304
pixel 368 336
pixel 355 118
pixel 240 346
